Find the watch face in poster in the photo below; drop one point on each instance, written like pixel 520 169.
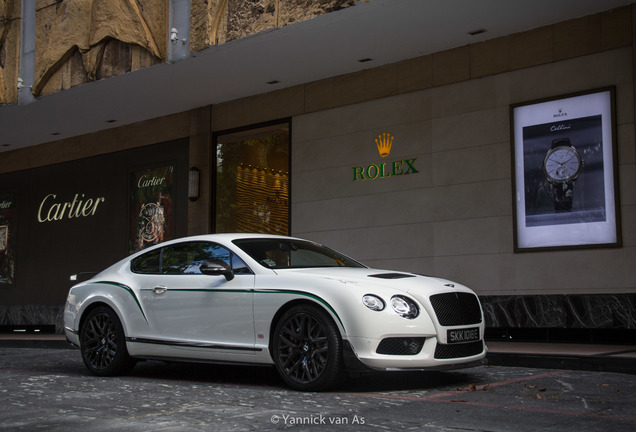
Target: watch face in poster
pixel 151 219
pixel 7 240
pixel 564 172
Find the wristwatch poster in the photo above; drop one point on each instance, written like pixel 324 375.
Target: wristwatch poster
pixel 152 203
pixel 564 172
pixel 7 240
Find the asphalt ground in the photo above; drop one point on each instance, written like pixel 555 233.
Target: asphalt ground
pixel 49 389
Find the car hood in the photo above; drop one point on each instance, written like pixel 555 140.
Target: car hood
pixel 381 279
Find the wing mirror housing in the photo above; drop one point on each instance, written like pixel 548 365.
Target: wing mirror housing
pixel 217 268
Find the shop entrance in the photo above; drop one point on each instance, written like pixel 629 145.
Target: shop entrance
pixel 251 190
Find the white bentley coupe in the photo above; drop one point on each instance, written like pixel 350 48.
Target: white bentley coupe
pixel 308 310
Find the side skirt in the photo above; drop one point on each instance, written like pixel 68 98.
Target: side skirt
pixel 198 360
pixel 191 344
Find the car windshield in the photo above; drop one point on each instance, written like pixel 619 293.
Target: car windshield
pixel 283 253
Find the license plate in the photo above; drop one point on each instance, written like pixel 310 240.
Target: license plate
pixel 462 335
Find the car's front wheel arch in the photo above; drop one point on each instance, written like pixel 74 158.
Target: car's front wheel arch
pixel 284 308
pixel 306 346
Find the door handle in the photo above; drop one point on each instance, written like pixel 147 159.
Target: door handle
pixel 160 289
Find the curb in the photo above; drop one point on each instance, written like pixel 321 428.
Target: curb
pixel 560 361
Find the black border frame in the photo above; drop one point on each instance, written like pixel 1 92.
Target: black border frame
pixel 616 184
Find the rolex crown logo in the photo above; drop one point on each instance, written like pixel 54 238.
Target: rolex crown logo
pixel 384 142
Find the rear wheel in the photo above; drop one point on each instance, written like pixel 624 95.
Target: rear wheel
pixel 307 349
pixel 103 343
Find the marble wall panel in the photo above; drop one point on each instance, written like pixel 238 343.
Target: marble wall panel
pixel 599 311
pixel 33 315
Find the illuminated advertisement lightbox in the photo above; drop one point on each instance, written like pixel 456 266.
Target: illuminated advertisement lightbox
pixel 565 171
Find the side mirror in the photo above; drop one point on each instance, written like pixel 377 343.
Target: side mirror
pixel 217 268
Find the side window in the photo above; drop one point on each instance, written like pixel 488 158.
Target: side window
pixel 219 252
pixel 147 263
pixel 239 266
pixel 186 258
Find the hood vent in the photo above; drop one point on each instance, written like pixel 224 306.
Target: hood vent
pixel 392 275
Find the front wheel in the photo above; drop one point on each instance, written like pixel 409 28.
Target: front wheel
pixel 103 343
pixel 307 349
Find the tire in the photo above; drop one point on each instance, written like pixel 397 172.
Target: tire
pixel 307 349
pixel 103 343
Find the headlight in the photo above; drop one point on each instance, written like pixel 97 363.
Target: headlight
pixel 405 307
pixel 373 302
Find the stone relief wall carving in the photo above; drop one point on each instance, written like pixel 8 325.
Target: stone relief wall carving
pixel 214 22
pixel 79 41
pixel 9 50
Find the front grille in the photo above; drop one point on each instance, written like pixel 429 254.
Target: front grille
pixel 456 308
pixel 458 350
pixel 401 346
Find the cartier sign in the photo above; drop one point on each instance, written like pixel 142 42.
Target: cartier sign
pixel 53 208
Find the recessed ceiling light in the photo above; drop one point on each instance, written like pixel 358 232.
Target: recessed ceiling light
pixel 476 32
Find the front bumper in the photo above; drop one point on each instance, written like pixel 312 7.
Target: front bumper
pixel 428 358
pixel 72 337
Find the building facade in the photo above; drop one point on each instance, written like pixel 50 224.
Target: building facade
pixel 432 164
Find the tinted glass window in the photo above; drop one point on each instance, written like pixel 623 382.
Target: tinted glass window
pixel 282 253
pixel 239 266
pixel 215 251
pixel 147 263
pixel 186 258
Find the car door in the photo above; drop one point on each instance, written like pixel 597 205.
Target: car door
pixel 197 311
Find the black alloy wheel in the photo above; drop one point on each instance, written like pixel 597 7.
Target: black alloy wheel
pixel 103 343
pixel 307 349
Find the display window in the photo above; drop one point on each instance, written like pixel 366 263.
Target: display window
pixel 252 181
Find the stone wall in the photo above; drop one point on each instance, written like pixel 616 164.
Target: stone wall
pixel 9 50
pixel 83 41
pixel 215 22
